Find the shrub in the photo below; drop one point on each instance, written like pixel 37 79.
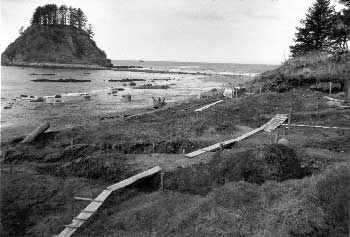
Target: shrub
pixel 333 191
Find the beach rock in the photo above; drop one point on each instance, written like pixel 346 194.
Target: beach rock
pixel 283 141
pixel 39 99
pixel 58 96
pixel 132 84
pixel 127 97
pixel 8 107
pixel 333 104
pixel 24 96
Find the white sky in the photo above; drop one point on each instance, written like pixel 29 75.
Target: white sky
pixel 239 31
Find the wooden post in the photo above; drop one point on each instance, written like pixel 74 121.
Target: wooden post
pixel 289 118
pixel 221 147
pixel 330 88
pixel 276 138
pixel 347 91
pixel 153 147
pixel 260 90
pixel 161 181
pixel 36 133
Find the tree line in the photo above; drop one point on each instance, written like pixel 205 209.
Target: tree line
pixel 323 29
pixel 51 14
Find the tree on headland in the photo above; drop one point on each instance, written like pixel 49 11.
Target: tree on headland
pixel 316 30
pixel 51 14
pixel 90 31
pixel 81 18
pixel 62 15
pixel 21 30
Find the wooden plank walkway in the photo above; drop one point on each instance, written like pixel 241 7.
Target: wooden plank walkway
pixel 315 126
pixel 332 99
pixel 88 211
pixel 207 106
pixel 276 121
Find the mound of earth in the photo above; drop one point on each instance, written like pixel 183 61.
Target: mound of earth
pixel 272 162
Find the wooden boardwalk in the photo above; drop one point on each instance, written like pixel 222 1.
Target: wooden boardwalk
pixel 208 106
pixel 88 211
pixel 276 121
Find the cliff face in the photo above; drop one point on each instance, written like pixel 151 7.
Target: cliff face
pixel 55 45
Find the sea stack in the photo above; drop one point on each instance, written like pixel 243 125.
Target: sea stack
pixel 54 41
pixel 54 46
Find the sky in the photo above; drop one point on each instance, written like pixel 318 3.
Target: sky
pixel 233 31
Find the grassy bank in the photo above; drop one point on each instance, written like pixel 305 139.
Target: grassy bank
pixel 253 188
pixel 307 70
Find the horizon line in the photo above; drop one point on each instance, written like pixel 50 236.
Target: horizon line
pixel 209 62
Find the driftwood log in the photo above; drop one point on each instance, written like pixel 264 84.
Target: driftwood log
pixel 36 133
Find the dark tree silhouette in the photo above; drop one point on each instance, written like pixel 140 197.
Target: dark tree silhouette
pixel 345 15
pixel 317 29
pixel 81 19
pixel 62 15
pixel 90 31
pixel 50 14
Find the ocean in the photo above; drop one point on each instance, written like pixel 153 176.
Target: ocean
pixel 74 109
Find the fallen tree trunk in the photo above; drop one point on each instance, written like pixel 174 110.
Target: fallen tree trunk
pixel 36 133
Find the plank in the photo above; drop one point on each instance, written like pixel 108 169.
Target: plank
pixel 316 126
pixel 96 203
pixel 103 196
pixel 333 99
pixel 276 121
pixel 37 132
pixel 83 199
pixel 134 178
pixel 196 153
pixel 225 143
pixel 207 106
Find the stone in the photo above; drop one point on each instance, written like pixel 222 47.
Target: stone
pixel 283 141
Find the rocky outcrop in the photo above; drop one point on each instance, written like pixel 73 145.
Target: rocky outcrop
pixel 54 46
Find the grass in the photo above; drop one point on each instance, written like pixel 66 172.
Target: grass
pixel 306 70
pixel 290 208
pixel 253 189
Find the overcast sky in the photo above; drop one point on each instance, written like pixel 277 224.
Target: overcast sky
pixel 239 31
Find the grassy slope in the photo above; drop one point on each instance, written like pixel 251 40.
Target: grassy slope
pixel 227 204
pixel 307 70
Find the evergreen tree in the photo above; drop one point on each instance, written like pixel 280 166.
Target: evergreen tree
pixel 50 14
pixel 81 19
pixel 340 33
pixel 72 13
pixel 346 16
pixel 62 12
pixel 21 30
pixel 317 29
pixel 90 31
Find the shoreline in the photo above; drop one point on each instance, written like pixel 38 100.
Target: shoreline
pixel 57 66
pixel 131 68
